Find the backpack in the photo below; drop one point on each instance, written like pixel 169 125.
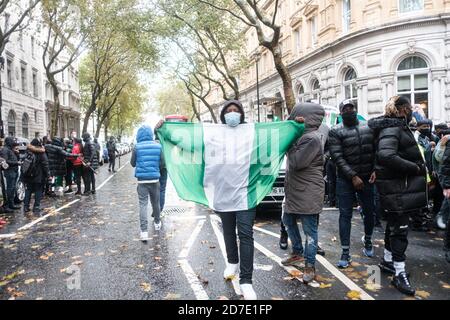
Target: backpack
pixel 29 167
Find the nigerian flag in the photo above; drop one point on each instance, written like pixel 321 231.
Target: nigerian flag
pixel 224 168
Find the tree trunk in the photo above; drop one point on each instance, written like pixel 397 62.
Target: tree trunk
pixel 285 78
pixel 56 107
pixel 196 113
pixel 87 117
pixel 106 132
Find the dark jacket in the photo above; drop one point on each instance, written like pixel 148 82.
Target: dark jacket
pixel 400 167
pixel 57 157
pixel 43 170
pixel 353 150
pixel 445 169
pixel 90 154
pixel 304 184
pixel 9 155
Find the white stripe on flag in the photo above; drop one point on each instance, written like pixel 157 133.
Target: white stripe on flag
pixel 228 154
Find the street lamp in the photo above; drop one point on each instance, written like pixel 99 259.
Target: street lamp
pixel 257 57
pixel 2 129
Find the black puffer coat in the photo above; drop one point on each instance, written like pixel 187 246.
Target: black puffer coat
pixel 43 171
pixel 90 154
pixel 352 150
pixel 400 167
pixel 445 168
pixel 9 155
pixel 57 157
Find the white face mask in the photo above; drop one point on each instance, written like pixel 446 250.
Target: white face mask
pixel 233 119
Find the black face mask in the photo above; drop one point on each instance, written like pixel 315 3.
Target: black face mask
pixel 409 117
pixel 350 119
pixel 425 132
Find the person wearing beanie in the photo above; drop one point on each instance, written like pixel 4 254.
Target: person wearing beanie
pixel 36 176
pixel 401 184
pixel 352 149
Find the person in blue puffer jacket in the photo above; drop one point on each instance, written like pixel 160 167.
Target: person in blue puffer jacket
pixel 147 158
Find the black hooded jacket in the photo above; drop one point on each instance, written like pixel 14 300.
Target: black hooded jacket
pixel 238 105
pixel 9 155
pixel 90 153
pixel 400 167
pixel 445 168
pixel 57 157
pixel 352 150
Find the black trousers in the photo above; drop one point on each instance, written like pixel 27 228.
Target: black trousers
pixel 78 174
pixel 89 179
pixel 396 236
pixel 69 174
pixel 112 161
pixel 331 183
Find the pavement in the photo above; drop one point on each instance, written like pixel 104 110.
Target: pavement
pixel 88 248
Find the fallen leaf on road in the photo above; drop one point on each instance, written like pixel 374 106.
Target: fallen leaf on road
pixel 40 280
pixel 276 298
pixel 354 295
pixel 372 287
pixel 39 298
pixel 295 273
pixel 28 281
pixel 88 254
pixel 61 242
pixel 98 239
pixel 140 266
pixel 158 258
pixel 157 268
pixel 202 280
pixel 172 296
pixel 444 285
pixel 223 298
pixel 324 286
pixel 76 257
pixel 146 287
pixel 422 294
pixel 77 263
pixel 323 279
pixel 36 246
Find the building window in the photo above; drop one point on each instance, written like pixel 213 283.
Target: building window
pixel 35 84
pixel 313 30
pixel 35 116
pixel 9 73
pixel 315 91
pixel 62 76
pixel 297 41
pixel 21 39
pixel 350 84
pixel 32 47
pixel 412 81
pixel 11 123
pixel 346 15
pixel 406 6
pixel 25 120
pixel 300 94
pixel 23 71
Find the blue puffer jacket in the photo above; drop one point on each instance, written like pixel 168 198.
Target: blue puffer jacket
pixel 148 155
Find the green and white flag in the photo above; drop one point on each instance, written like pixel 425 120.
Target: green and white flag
pixel 224 168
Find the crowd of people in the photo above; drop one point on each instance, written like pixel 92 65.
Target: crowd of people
pixel 50 167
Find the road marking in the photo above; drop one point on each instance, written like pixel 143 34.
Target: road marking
pixel 31 224
pixel 193 280
pixel 109 178
pixel 187 247
pixel 332 269
pixel 214 219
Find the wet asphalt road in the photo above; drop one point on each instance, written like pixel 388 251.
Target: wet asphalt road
pixel 90 250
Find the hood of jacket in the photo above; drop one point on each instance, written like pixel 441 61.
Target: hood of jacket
pixel 229 103
pixel 145 133
pixel 312 112
pixel 58 142
pixel 386 122
pixel 10 142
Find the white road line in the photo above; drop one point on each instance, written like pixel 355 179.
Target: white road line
pixel 193 280
pixel 31 224
pixel 109 178
pixel 187 247
pixel 235 281
pixel 332 269
pixel 186 218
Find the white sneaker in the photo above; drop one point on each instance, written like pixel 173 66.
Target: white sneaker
pixel 144 236
pixel 440 222
pixel 158 226
pixel 248 292
pixel 231 271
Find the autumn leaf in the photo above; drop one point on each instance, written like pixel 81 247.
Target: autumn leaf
pixel 324 286
pixel 223 298
pixel 422 294
pixel 276 298
pixel 140 266
pixel 372 287
pixel 28 281
pixel 77 263
pixel 354 295
pixel 295 273
pixel 40 280
pixel 172 296
pixel 158 258
pixel 146 287
pixel 444 285
pixel 76 257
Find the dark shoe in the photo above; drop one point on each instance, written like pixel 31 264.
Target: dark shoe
pixel 78 193
pixel 320 251
pixel 86 193
pixel 387 267
pixel 283 241
pixel 293 260
pixel 309 274
pixel 109 169
pixel 7 210
pixel 15 207
pixel 26 210
pixel 401 282
pixel 345 261
pixel 93 191
pixel 368 247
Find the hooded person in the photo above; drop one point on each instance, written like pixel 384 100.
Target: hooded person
pixel 147 159
pixel 35 182
pixel 90 164
pixel 77 163
pixel 12 173
pixel 305 188
pixel 401 184
pixel 112 151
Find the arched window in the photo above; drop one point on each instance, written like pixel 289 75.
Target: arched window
pixel 316 91
pixel 412 81
pixel 300 94
pixel 11 123
pixel 351 92
pixel 25 120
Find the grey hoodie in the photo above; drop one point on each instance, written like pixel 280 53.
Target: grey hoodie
pixel 304 185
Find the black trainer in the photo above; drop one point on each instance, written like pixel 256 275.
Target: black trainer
pixel 320 251
pixel 283 241
pixel 401 282
pixel 387 267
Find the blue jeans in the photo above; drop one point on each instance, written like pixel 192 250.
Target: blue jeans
pixel 11 183
pixel 162 191
pixel 346 193
pixel 310 228
pixel 244 221
pixel 37 189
